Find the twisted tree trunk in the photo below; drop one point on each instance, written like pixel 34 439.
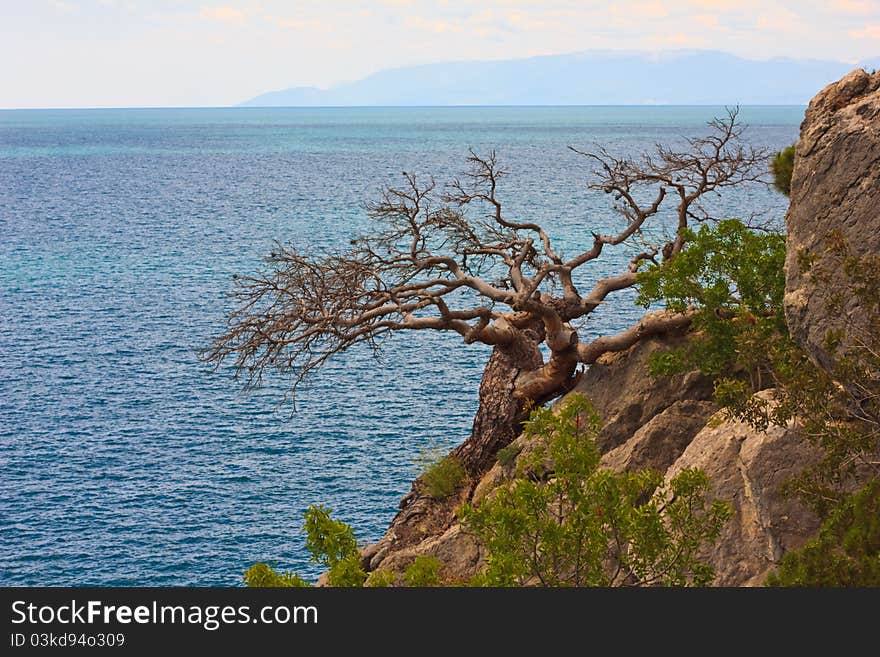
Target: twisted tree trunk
pixel 501 411
pixel 513 376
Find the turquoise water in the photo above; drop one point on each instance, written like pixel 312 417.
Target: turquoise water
pixel 126 461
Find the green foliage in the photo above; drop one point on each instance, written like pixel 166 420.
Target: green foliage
pixel 331 543
pixel 441 475
pixel 581 526
pixel 381 578
pixel 424 571
pixel 731 278
pixel 846 551
pixel 347 572
pixel 263 575
pixel 507 455
pixel 781 167
pixel 839 412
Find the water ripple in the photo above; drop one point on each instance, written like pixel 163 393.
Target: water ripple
pixel 124 460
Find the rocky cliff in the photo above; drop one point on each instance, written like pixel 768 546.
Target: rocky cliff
pixel 662 423
pixel 835 187
pixel 671 423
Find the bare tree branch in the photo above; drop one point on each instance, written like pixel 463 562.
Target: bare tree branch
pixel 453 260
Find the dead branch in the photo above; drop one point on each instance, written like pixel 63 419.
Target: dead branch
pixel 454 260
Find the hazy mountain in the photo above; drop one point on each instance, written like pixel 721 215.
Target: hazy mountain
pixel 588 78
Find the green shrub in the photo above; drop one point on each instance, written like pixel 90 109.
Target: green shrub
pixel 262 575
pixel 582 526
pixel 424 571
pixel 347 572
pixel 731 279
pixel 781 167
pixel 837 411
pixel 332 544
pixel 846 551
pixel 441 475
pixel 507 455
pixel 328 540
pixel 381 578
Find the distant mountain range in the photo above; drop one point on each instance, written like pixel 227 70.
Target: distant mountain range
pixel 676 77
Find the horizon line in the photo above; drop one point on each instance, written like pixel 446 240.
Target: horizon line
pixel 464 106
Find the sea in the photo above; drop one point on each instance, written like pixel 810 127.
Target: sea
pixel 124 459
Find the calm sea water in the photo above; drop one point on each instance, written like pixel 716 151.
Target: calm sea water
pixel 123 459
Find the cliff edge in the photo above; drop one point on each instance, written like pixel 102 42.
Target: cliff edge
pixel 669 423
pixel 835 189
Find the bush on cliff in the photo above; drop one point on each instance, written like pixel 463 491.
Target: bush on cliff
pixel 846 551
pixel 576 525
pixel 840 412
pixel 423 571
pixel 441 474
pixel 732 279
pixel 781 166
pixel 332 544
pixel 262 575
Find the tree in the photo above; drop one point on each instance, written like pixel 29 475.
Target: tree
pixel 433 262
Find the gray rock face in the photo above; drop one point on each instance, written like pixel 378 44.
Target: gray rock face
pixel 665 424
pixel 459 553
pixel 835 187
pixel 660 441
pixel 649 419
pixel 627 397
pixel 748 468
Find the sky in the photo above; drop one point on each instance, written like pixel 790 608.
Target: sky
pixel 142 53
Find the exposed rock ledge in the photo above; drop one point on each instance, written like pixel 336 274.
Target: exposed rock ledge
pixel 658 423
pixel 669 423
pixel 748 468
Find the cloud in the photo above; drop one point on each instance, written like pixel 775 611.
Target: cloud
pixel 709 21
pixel 778 19
pixel 652 9
pixel 867 32
pixel 433 25
pixel 526 22
pixel 311 24
pixel 231 15
pixel 719 4
pixel 858 7
pixel 62 7
pixel 482 17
